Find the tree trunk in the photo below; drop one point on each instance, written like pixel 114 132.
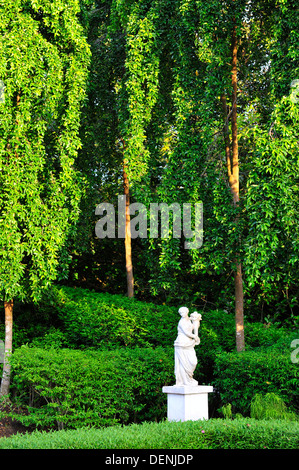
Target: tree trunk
pixel 232 161
pixel 239 314
pixel 8 311
pixel 227 140
pixel 5 382
pixel 128 245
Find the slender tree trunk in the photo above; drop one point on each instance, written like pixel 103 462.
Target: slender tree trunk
pixel 235 153
pixel 239 308
pixel 227 140
pixel 128 244
pixel 8 310
pixel 232 161
pixel 5 382
pixel 235 184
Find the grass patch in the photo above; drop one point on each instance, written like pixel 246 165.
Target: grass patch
pixel 243 433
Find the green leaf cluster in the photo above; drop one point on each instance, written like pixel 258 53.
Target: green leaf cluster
pixel 43 65
pixel 269 406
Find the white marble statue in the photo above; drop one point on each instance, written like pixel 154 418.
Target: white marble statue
pixel 185 357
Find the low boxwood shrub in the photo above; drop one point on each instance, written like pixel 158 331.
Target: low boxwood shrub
pixel 240 376
pixel 70 388
pixel 211 434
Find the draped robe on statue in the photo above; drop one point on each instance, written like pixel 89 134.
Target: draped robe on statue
pixel 185 357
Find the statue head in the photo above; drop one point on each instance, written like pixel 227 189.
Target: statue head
pixel 183 311
pixel 195 316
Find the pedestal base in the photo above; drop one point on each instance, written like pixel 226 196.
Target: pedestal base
pixel 186 403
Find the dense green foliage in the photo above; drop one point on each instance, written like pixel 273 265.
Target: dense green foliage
pixel 43 65
pixel 94 320
pixel 86 319
pixel 212 434
pixel 270 406
pixel 78 318
pixel 240 376
pixel 158 71
pixel 88 87
pixel 110 378
pixel 68 388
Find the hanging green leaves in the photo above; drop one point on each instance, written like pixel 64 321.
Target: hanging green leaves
pixel 43 65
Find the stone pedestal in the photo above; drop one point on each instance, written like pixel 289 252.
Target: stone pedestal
pixel 186 403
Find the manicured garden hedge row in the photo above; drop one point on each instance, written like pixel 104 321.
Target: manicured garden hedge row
pixel 240 376
pixel 94 342
pixel 85 319
pixel 95 320
pixel 212 434
pixel 77 318
pixel 67 388
pixel 92 319
pixel 73 388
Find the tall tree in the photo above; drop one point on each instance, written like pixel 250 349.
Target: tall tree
pixel 232 159
pixel 43 65
pixel 193 132
pixel 121 96
pixel 272 203
pixel 128 240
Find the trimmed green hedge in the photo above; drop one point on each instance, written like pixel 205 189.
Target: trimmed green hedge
pixel 90 320
pixel 67 388
pixel 261 335
pixel 102 320
pixel 94 320
pixel 105 321
pixel 78 318
pixel 86 319
pixel 119 332
pixel 240 376
pixel 211 434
